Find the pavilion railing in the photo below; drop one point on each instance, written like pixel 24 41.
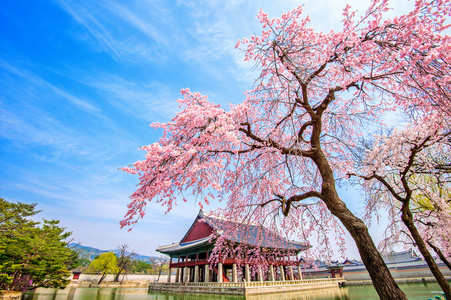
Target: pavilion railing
pixel 256 283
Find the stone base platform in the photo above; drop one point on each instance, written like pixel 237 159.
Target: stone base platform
pixel 247 288
pixel 7 295
pixel 398 280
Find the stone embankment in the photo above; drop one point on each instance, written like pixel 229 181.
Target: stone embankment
pixel 399 281
pixel 247 288
pixel 109 284
pixel 7 295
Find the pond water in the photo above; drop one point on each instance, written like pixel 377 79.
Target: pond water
pixel 417 291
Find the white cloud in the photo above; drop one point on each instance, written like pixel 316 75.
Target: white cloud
pixel 37 82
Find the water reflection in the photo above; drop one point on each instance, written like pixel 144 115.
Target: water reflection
pixel 141 293
pixel 416 291
pixel 319 294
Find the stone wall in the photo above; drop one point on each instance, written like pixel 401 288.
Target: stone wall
pixel 398 273
pixel 243 288
pixel 142 278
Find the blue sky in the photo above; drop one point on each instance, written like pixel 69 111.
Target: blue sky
pixel 82 80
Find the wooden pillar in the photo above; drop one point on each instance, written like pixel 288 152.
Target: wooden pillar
pixel 220 272
pixel 185 275
pixel 169 275
pixel 290 268
pixel 282 273
pixel 177 274
pixel 207 273
pixel 300 273
pixel 260 275
pixel 234 273
pixel 196 274
pixel 247 274
pixel 271 273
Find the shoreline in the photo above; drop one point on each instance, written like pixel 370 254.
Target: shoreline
pixel 10 295
pixel 110 284
pixel 399 281
pixel 145 284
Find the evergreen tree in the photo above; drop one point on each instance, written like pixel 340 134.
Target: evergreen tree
pixel 32 254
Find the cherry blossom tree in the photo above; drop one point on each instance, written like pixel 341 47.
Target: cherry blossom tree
pixel 434 238
pixel 400 172
pixel 275 157
pixel 429 213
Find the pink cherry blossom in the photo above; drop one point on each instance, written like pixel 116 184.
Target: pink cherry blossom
pixel 274 158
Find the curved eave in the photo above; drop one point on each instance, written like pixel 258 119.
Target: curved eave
pixel 300 246
pixel 177 247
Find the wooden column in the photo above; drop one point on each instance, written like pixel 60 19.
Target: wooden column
pixel 300 273
pixel 290 268
pixel 220 272
pixel 234 274
pixel 271 273
pixel 177 274
pixel 260 275
pixel 185 275
pixel 207 273
pixel 282 273
pixel 196 274
pixel 170 269
pixel 247 274
pixel 169 275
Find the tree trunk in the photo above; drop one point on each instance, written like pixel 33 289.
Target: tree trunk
pixel 116 278
pixel 440 254
pixel 421 244
pixel 102 278
pixel 383 281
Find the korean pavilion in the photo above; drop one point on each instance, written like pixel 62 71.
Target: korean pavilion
pixel 189 258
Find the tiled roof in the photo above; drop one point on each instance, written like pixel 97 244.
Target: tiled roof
pixel 352 262
pixel 176 247
pixel 400 257
pixel 252 234
pixel 237 232
pixel 312 265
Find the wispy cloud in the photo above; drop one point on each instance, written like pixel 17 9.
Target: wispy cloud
pixel 25 119
pixel 84 16
pixel 202 33
pixel 36 81
pixel 148 102
pixel 110 24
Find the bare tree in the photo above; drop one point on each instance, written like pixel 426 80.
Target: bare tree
pixel 124 260
pixel 159 264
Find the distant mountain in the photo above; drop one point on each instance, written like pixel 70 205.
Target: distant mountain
pixel 90 252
